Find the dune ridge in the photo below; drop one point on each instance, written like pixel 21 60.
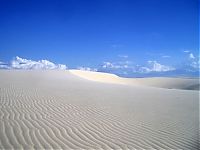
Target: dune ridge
pixel 160 82
pixel 99 76
pixel 58 110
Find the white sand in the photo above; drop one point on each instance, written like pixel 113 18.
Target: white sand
pixel 160 82
pixel 99 76
pixel 66 110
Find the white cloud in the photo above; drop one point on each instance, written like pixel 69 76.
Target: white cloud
pixel 195 64
pixel 158 67
pixel 127 62
pixel 110 65
pixel 87 69
pixel 143 70
pixel 186 51
pixel 20 63
pixel 191 56
pixel 166 56
pixel 116 65
pixel 123 56
pixel 154 66
pixel 3 65
pixel 194 61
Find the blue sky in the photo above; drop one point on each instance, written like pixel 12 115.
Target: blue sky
pixel 89 33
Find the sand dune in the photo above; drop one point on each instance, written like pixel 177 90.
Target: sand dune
pixel 99 77
pixel 171 83
pixel 63 110
pixel 161 82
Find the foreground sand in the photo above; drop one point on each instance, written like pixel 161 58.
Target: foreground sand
pixel 67 110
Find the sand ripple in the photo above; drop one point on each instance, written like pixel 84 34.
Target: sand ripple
pixel 36 116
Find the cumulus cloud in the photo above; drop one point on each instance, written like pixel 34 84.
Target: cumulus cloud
pixel 154 66
pixel 191 56
pixel 87 69
pixel 195 64
pixel 116 65
pixel 110 65
pixel 128 66
pixel 21 63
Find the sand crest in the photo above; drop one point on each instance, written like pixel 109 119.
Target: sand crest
pixel 160 82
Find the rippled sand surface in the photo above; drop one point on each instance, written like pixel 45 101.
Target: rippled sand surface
pixel 64 110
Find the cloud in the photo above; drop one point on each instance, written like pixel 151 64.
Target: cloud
pixel 21 63
pixel 87 69
pixel 116 65
pixel 191 56
pixel 186 51
pixel 3 65
pixel 128 66
pixel 123 56
pixel 194 62
pixel 154 66
pixel 110 65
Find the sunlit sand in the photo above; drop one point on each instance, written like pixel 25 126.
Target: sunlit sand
pixel 90 110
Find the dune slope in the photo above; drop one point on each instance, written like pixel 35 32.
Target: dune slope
pixel 60 110
pixel 160 82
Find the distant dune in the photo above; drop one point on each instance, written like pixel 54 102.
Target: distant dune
pixel 171 83
pixel 161 82
pixel 89 110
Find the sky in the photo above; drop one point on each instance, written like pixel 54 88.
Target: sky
pixel 125 37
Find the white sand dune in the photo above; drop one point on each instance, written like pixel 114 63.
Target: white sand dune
pixel 63 110
pixel 99 76
pixel 161 82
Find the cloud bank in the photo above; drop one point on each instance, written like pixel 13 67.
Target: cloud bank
pixel 3 65
pixel 122 67
pixel 154 66
pixel 87 69
pixel 25 64
pixel 117 65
